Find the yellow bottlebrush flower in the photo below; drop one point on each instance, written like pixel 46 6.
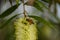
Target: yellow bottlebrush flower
pixel 25 29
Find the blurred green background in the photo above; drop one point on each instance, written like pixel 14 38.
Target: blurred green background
pixel 46 12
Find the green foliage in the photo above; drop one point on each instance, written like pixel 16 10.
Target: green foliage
pixel 8 21
pixel 17 2
pixel 41 4
pixel 47 1
pixel 10 2
pixel 9 11
pixel 38 5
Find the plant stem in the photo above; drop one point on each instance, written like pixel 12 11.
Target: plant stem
pixel 55 10
pixel 24 9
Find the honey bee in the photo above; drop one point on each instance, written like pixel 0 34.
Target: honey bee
pixel 30 21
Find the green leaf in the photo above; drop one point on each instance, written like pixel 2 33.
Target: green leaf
pixel 41 4
pixel 41 20
pixel 10 2
pixel 50 13
pixel 9 20
pixel 37 6
pixel 56 18
pixel 47 1
pixel 17 2
pixel 8 11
